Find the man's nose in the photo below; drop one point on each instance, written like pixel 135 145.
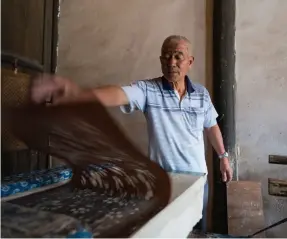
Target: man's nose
pixel 172 61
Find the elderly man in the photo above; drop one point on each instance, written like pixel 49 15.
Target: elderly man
pixel 177 110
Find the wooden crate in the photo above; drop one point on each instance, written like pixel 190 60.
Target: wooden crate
pixel 245 208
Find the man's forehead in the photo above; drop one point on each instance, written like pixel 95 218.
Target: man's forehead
pixel 175 46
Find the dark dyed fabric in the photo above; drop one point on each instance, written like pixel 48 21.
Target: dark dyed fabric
pixel 99 213
pixel 86 137
pixel 23 222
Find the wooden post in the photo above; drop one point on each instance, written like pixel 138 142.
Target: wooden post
pixel 224 91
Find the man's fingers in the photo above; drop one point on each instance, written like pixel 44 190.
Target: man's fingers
pixel 224 177
pixel 43 88
pixel 229 175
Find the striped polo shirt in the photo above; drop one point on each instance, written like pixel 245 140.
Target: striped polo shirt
pixel 175 127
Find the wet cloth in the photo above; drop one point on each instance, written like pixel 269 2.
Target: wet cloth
pixel 87 139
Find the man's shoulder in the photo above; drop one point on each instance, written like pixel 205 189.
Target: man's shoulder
pixel 199 88
pixel 201 92
pixel 148 83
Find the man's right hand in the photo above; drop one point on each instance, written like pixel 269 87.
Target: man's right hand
pixel 50 87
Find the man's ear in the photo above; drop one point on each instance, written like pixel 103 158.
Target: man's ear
pixel 191 60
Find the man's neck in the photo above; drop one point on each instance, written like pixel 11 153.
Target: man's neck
pixel 179 86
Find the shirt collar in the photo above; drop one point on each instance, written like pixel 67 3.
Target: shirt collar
pixel 167 86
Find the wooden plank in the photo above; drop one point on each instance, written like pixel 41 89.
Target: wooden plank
pixel 278 159
pixel 245 208
pixel 277 187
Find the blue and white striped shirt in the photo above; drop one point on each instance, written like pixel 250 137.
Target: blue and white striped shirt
pixel 175 128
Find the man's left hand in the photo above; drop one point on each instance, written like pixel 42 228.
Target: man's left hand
pixel 226 170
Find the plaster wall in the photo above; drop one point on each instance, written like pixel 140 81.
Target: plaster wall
pixel 261 98
pixel 104 42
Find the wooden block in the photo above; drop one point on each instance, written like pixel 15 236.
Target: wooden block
pixel 277 187
pixel 245 208
pixel 278 159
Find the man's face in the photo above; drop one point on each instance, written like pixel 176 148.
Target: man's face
pixel 175 60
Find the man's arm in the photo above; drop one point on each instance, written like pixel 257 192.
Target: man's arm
pixel 61 90
pixel 215 137
pixel 108 95
pixel 111 95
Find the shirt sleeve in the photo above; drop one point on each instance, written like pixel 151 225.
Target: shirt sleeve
pixel 136 93
pixel 210 114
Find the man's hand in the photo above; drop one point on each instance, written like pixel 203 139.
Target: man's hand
pixel 226 170
pixel 58 88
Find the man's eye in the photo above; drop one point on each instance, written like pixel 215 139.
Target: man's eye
pixel 178 57
pixel 175 56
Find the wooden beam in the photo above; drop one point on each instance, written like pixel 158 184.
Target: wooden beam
pixel 209 85
pixel 278 159
pixel 50 35
pixel 224 93
pixel 277 187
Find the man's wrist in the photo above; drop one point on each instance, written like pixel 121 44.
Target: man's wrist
pixel 223 155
